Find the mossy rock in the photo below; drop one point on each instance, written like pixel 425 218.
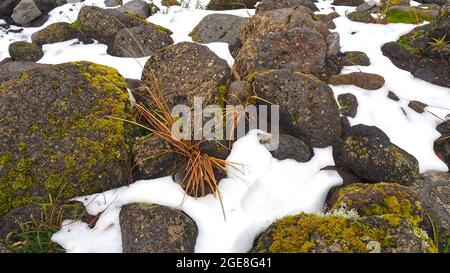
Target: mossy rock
pixel 378 199
pixel 311 233
pixel 24 51
pixel 266 5
pixel 408 15
pixel 169 3
pixel 58 141
pixel 55 33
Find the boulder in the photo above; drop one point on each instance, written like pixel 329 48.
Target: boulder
pixel 383 199
pixel 139 8
pixel 333 44
pixel 307 105
pixel 348 104
pixel 25 12
pixel 149 228
pixel 362 16
pixel 301 49
pixel 292 148
pixel 433 190
pixel 55 33
pixel 24 51
pixel 187 70
pixel 140 41
pixel 153 158
pixel 12 69
pixel 393 96
pixel 352 3
pixel 104 24
pixel 113 3
pixel 335 234
pixel 350 58
pixel 367 152
pixel 57 141
pixel 7 7
pixel 441 146
pixel 238 92
pixel 281 20
pixel 363 80
pixel 231 4
pixel 266 5
pixel 223 28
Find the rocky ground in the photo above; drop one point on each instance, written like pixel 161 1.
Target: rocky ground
pixel 364 154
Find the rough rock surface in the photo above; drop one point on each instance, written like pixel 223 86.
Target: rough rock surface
pixel 148 228
pixel 266 5
pixel 363 80
pixel 352 3
pixel 301 49
pixel 57 140
pixel 433 189
pixel 12 69
pixel 362 16
pixel 441 146
pixel 140 41
pixel 25 12
pixel 307 105
pixel 367 152
pixel 231 4
pixel 223 28
pixel 103 24
pixel 55 33
pixel 350 58
pixel 348 104
pixel 292 148
pixel 326 234
pixel 136 7
pixel 24 51
pixel 188 70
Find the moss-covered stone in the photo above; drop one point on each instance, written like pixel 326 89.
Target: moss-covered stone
pixel 24 51
pixel 169 3
pixel 314 233
pixel 59 142
pixel 56 33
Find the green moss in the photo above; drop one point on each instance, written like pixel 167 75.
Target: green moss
pixel 295 234
pixel 195 36
pixel 76 25
pixel 406 17
pixel 221 95
pixel 163 29
pixel 99 141
pixel 356 147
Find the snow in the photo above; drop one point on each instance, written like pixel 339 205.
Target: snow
pixel 256 193
pixel 267 189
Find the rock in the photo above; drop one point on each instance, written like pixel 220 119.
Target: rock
pixel 51 213
pixel 348 104
pixel 397 52
pixel 351 58
pixel 367 152
pixel 367 5
pixel 393 96
pixel 389 200
pixel 13 69
pixel 7 7
pixel 57 137
pixel 5 60
pixel 426 75
pixel 352 3
pixel 136 7
pixel 103 24
pixel 280 20
pixel 223 28
pixel 333 44
pixel 24 51
pixel 266 5
pixel 238 92
pixel 326 234
pixel 25 12
pixel 140 41
pixel 441 148
pixel 153 158
pixel 433 190
pixel 169 3
pixel 113 3
pixel 148 228
pixel 188 70
pixel 363 80
pixel 47 5
pixel 231 4
pixel 55 33
pixel 439 2
pixel 417 106
pixel 307 106
pixel 389 3
pixel 292 148
pixel 301 49
pixel 362 16
pixel 326 19
pixel 444 127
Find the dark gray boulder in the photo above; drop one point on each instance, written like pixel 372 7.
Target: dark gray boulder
pixel 24 51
